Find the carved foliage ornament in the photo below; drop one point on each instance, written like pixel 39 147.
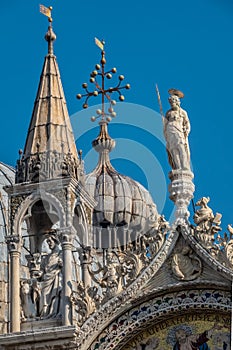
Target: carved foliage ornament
pixel 119 268
pixel 112 271
pixel 207 232
pixel 15 202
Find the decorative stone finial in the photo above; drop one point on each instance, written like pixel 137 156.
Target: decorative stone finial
pixel 103 144
pixel 50 37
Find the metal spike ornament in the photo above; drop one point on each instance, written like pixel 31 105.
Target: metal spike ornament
pixel 100 89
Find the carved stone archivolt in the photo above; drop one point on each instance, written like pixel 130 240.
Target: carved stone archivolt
pixel 38 195
pixel 124 327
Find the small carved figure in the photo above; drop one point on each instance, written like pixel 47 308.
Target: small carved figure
pixel 185 265
pixel 107 276
pixel 207 223
pixel 111 278
pixel 155 237
pixel 27 302
pixel 204 216
pixel 226 242
pixel 176 131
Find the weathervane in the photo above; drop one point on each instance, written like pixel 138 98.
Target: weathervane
pixel 100 89
pixel 47 11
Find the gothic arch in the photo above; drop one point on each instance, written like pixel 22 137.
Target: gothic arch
pixel 30 201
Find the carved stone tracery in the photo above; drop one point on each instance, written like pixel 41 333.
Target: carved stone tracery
pixel 48 165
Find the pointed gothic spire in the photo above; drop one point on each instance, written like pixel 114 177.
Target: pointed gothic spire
pixel 50 149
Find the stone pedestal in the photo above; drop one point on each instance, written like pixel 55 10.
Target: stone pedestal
pixel 181 191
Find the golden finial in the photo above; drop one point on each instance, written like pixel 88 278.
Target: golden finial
pixel 50 35
pixel 100 44
pixel 47 11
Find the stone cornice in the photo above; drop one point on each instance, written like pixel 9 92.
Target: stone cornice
pixel 38 335
pixel 54 184
pixel 28 187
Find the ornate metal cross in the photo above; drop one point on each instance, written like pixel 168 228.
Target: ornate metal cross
pixel 100 89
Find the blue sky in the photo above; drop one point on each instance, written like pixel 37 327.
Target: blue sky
pixel 181 44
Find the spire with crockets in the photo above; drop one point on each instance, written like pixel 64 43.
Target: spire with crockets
pixel 50 150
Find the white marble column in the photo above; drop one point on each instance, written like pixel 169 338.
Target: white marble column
pixel 14 251
pixel 67 246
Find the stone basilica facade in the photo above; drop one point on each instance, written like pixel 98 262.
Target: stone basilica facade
pixel 86 261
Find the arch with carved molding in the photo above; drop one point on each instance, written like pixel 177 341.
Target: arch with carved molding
pixel 28 203
pixel 123 329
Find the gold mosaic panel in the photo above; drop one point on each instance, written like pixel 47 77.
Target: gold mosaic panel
pixel 188 332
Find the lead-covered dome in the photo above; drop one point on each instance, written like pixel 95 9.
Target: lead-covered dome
pixel 121 201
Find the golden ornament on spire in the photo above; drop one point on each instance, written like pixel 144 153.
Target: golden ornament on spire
pixel 98 78
pixel 47 11
pixel 100 44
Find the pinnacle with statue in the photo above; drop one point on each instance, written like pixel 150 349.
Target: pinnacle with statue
pixel 176 128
